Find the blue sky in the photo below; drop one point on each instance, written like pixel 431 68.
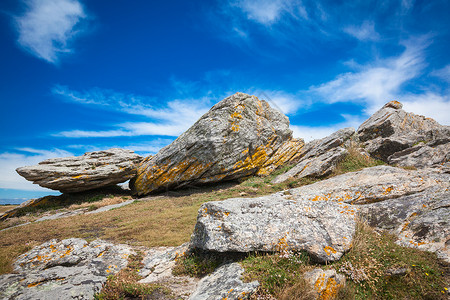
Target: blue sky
pixel 80 75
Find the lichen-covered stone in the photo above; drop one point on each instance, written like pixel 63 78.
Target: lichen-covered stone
pixel 69 269
pixel 81 173
pixel 326 284
pixel 422 155
pixel 317 166
pixel 276 222
pixel 369 185
pixel 321 146
pixel 224 283
pixel 391 130
pixel 420 220
pixel 234 139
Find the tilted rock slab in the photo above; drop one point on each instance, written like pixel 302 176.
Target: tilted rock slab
pixel 69 269
pixel 422 155
pixel 81 173
pixel 318 166
pixel 319 157
pixel 224 283
pixel 370 185
pixel 391 129
pixel 234 139
pixel 276 222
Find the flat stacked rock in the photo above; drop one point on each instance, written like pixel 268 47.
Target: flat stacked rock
pixel 92 170
pixel 235 139
pixel 398 137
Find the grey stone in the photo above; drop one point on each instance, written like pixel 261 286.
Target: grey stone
pixel 420 220
pixel 233 140
pixel 81 173
pixel 276 222
pixel 391 130
pixel 321 146
pixel 224 283
pixel 422 156
pixel 69 269
pixel 325 284
pixel 317 166
pixel 371 185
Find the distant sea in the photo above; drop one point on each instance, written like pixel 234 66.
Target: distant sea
pixel 12 201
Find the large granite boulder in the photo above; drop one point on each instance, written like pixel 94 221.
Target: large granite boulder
pixel 68 269
pixel 391 130
pixel 234 139
pixel 81 173
pixel 277 222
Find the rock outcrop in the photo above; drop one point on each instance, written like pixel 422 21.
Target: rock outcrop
pixel 390 131
pixel 277 222
pixel 236 138
pixel 319 157
pixel 81 173
pixel 224 283
pixel 69 269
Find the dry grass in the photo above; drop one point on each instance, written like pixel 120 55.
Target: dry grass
pixel 4 208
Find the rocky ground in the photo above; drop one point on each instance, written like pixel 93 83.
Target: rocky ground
pixel 358 214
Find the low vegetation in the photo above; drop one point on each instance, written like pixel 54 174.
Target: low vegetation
pixel 124 284
pixel 168 219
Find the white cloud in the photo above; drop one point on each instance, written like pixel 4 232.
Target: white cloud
pixel 48 26
pixel 174 118
pixel 364 32
pixel 443 73
pixel 428 104
pixel 377 83
pixel 9 179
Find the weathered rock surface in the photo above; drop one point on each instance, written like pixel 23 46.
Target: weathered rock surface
pixel 69 269
pixel 224 283
pixel 275 223
pixel 373 184
pixel 321 146
pixel 158 264
pixel 234 139
pixel 318 166
pixel 420 220
pixel 422 156
pixel 326 284
pixel 81 173
pixel 391 130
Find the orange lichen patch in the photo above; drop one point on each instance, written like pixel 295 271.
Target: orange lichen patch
pixel 34 284
pixel 101 254
pixel 79 176
pixel 413 215
pixel 282 244
pixel 330 290
pixel 320 282
pixel 291 150
pixel 328 250
pixel 226 213
pixel 424 206
pixel 388 190
pixel 404 226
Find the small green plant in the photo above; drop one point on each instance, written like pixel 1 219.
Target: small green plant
pixel 124 285
pixel 355 161
pixel 198 264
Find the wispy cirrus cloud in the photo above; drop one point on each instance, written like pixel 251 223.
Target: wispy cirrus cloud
pixel 48 27
pixel 364 32
pixel 171 119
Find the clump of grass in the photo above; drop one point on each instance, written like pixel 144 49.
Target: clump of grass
pixel 373 254
pixel 124 285
pixel 278 272
pixel 355 161
pixel 199 264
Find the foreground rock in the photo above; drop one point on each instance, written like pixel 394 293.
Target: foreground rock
pixel 224 283
pixel 275 223
pixel 319 157
pixel 391 130
pixel 326 284
pixel 69 269
pixel 420 220
pixel 92 170
pixel 236 138
pixel 373 184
